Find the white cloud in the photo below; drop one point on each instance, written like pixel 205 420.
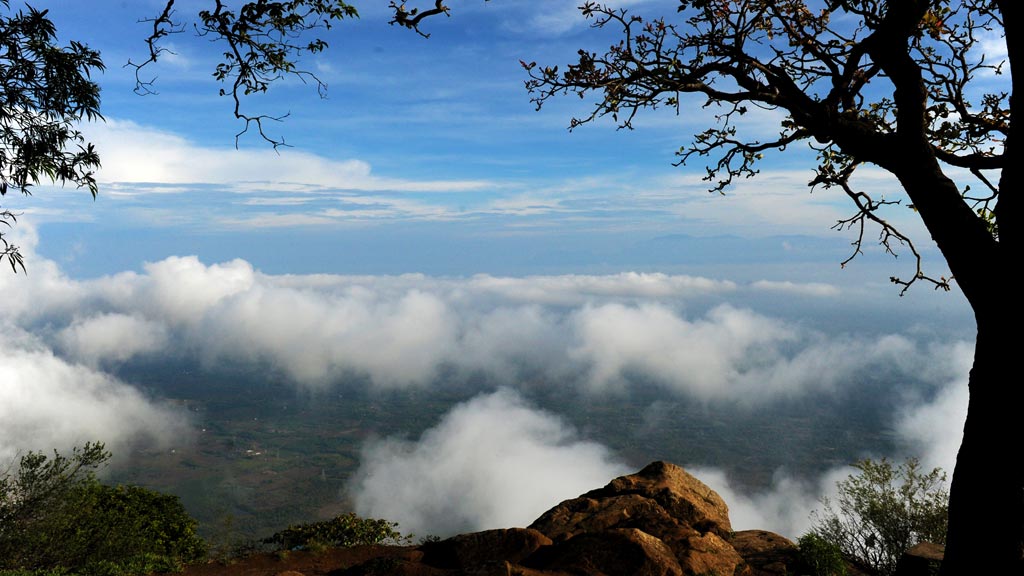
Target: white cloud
pixel 405 330
pixel 127 157
pixel 557 19
pixel 49 403
pixel 702 357
pixel 933 429
pixel 111 337
pixel 785 507
pixel 575 289
pixel 818 289
pixel 492 462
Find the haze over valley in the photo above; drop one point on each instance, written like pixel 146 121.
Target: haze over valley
pixel 451 404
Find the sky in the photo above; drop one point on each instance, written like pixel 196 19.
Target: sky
pixel 425 216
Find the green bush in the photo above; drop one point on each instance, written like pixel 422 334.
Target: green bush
pixel 819 557
pixel 341 531
pixel 882 511
pixel 56 518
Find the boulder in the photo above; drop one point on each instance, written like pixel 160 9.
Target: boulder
pixel 663 501
pixel 765 553
pixel 616 552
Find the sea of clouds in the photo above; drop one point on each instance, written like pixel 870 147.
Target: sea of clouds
pixel 495 460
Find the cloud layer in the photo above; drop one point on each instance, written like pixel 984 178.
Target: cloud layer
pixel 404 330
pixel 501 460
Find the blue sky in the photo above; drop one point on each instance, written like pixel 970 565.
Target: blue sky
pixel 427 221
pixel 426 156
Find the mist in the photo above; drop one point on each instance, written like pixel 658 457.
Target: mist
pixel 491 462
pixel 497 459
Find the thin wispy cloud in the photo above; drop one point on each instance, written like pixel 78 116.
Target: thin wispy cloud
pixel 128 157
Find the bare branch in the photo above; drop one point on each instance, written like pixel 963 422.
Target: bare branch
pixel 411 17
pixel 888 236
pixel 264 41
pixel 163 25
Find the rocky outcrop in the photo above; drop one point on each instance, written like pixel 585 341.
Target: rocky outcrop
pixel 662 500
pixel 617 551
pixel 660 521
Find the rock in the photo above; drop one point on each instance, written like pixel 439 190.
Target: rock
pixel 616 552
pixel 766 553
pixel 484 548
pixel 923 559
pixel 663 501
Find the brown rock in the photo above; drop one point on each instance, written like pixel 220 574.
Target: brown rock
pixel 766 553
pixel 923 559
pixel 617 552
pixel 662 500
pixel 490 547
pixel 685 497
pixel 660 491
pixel 586 514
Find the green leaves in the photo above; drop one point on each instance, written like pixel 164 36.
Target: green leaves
pixel 344 530
pixel 56 518
pixel 883 510
pixel 45 91
pixel 819 557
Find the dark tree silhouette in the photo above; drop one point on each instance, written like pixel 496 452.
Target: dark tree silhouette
pixel 903 85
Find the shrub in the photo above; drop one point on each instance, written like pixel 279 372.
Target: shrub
pixel 341 531
pixel 883 510
pixel 819 557
pixel 57 518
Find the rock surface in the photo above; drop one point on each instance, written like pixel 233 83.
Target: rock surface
pixel 481 548
pixel 662 500
pixel 765 553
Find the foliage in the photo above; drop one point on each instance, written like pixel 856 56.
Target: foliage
pixel 342 531
pixel 56 517
pixel 45 90
pixel 882 511
pixel 820 557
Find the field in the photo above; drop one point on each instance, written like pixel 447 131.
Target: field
pixel 264 454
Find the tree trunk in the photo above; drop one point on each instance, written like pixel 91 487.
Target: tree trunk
pixel 986 504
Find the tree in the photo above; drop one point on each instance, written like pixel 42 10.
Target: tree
pixel 883 510
pixel 55 515
pixel 45 90
pixel 892 84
